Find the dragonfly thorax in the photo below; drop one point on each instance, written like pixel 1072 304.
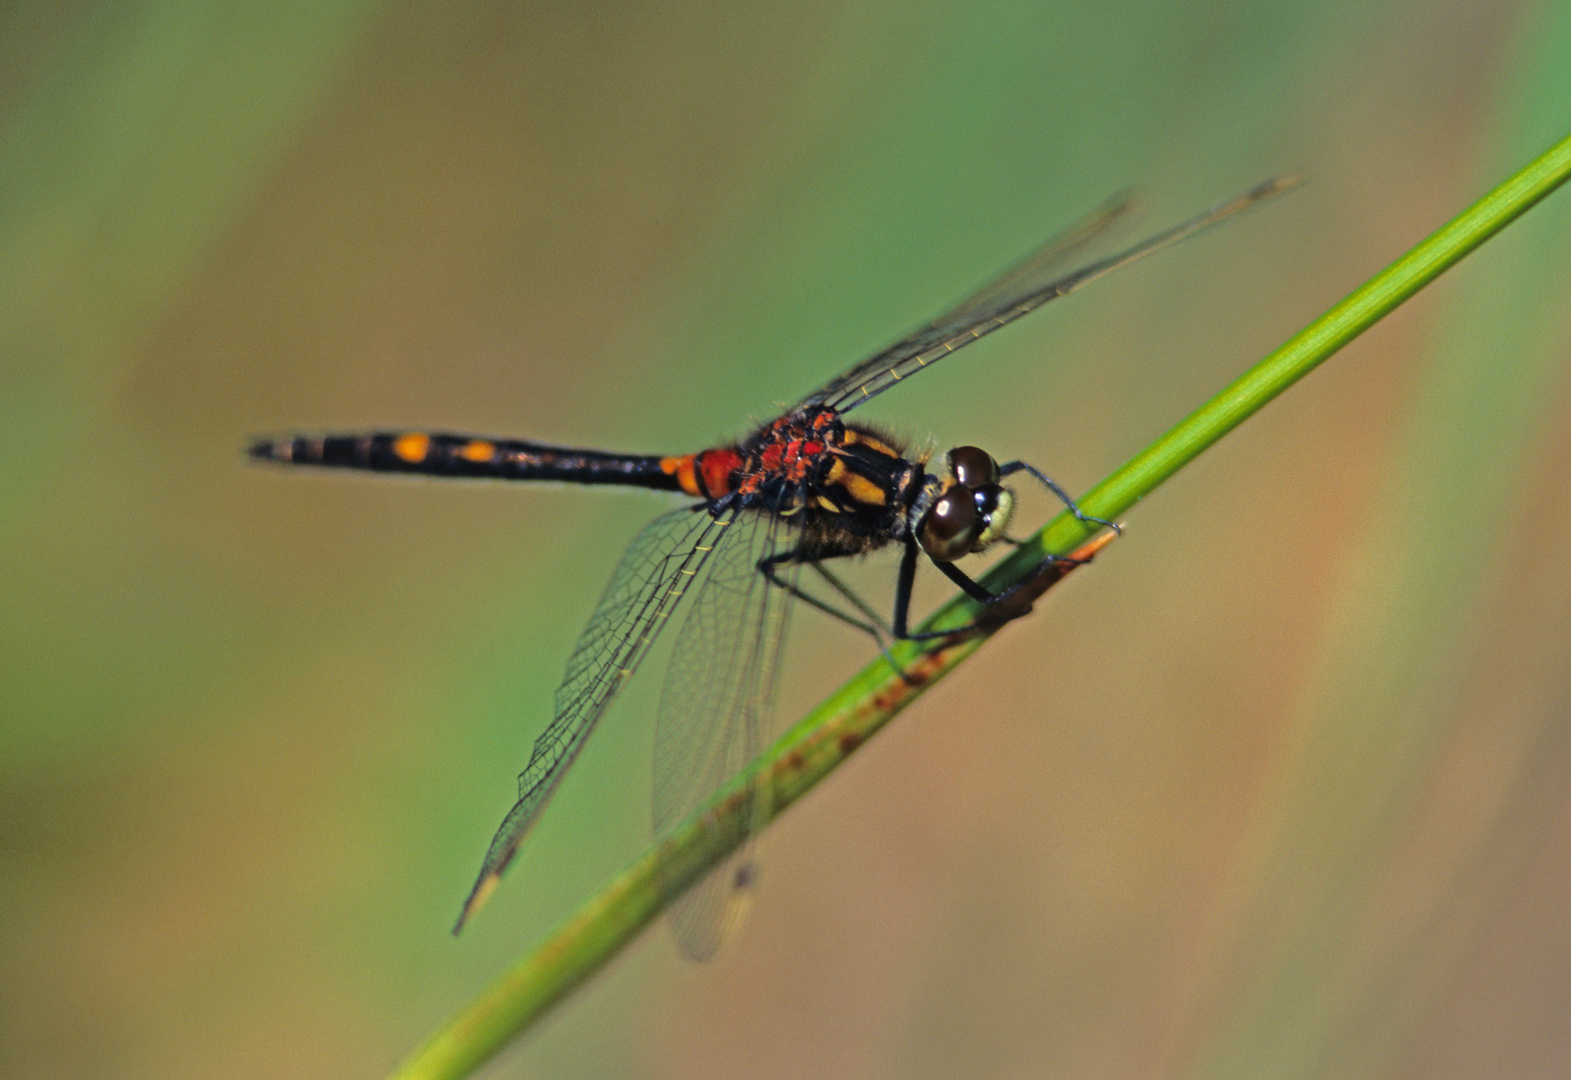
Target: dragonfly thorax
pixel 852 489
pixel 848 487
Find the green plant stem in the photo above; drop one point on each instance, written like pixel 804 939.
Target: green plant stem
pixel 814 747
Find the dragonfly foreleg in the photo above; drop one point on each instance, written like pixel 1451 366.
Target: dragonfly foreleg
pixel 995 608
pixel 1052 485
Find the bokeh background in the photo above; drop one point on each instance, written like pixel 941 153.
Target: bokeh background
pixel 1278 788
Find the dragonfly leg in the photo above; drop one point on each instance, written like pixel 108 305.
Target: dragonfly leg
pixel 873 626
pixel 903 593
pixel 854 600
pixel 903 596
pixel 1052 485
pixel 997 606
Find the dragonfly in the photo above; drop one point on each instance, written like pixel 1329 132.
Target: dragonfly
pixel 809 487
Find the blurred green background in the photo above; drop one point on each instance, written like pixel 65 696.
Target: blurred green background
pixel 1276 789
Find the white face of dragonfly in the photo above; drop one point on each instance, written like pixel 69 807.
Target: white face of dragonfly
pixel 969 511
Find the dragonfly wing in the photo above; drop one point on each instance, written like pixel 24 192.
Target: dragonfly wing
pixel 1046 264
pixel 715 712
pixel 1021 289
pixel 656 571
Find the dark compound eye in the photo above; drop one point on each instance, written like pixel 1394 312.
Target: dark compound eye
pixel 987 499
pixel 973 466
pixel 951 526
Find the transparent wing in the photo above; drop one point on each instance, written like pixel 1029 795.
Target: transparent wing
pixel 656 571
pixel 715 712
pixel 1020 290
pixel 1044 265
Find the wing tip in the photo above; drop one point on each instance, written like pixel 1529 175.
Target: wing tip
pixel 1282 182
pixel 1269 188
pixel 478 896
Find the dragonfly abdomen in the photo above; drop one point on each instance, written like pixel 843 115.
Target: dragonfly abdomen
pixel 463 455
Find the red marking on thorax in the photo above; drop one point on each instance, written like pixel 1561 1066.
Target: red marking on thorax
pixel 788 449
pixel 790 458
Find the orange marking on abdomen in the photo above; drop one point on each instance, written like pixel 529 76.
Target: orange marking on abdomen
pixel 682 469
pixel 412 447
pixel 479 451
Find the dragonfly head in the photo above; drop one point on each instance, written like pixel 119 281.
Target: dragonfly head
pixel 967 511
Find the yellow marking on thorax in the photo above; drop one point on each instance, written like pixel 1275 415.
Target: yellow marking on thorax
pixel 412 447
pixel 853 436
pixel 865 491
pixel 859 487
